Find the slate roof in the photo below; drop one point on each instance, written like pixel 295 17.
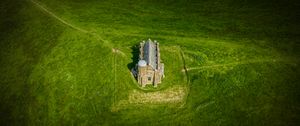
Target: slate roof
pixel 150 53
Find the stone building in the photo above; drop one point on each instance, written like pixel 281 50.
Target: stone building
pixel 150 70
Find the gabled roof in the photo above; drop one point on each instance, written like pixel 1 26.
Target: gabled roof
pixel 150 53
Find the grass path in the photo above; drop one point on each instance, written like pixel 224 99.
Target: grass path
pixel 58 18
pixel 76 27
pixel 186 72
pixel 239 63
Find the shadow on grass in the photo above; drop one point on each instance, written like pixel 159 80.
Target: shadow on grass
pixel 135 56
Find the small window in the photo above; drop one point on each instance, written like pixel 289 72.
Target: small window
pixel 149 78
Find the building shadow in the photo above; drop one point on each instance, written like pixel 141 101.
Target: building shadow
pixel 135 57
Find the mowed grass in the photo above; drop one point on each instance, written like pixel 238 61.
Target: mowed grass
pixel 228 62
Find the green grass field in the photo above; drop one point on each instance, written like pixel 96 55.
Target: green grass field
pixel 227 62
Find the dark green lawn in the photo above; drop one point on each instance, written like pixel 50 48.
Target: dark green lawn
pixel 68 62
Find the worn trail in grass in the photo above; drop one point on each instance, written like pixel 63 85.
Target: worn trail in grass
pixel 284 61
